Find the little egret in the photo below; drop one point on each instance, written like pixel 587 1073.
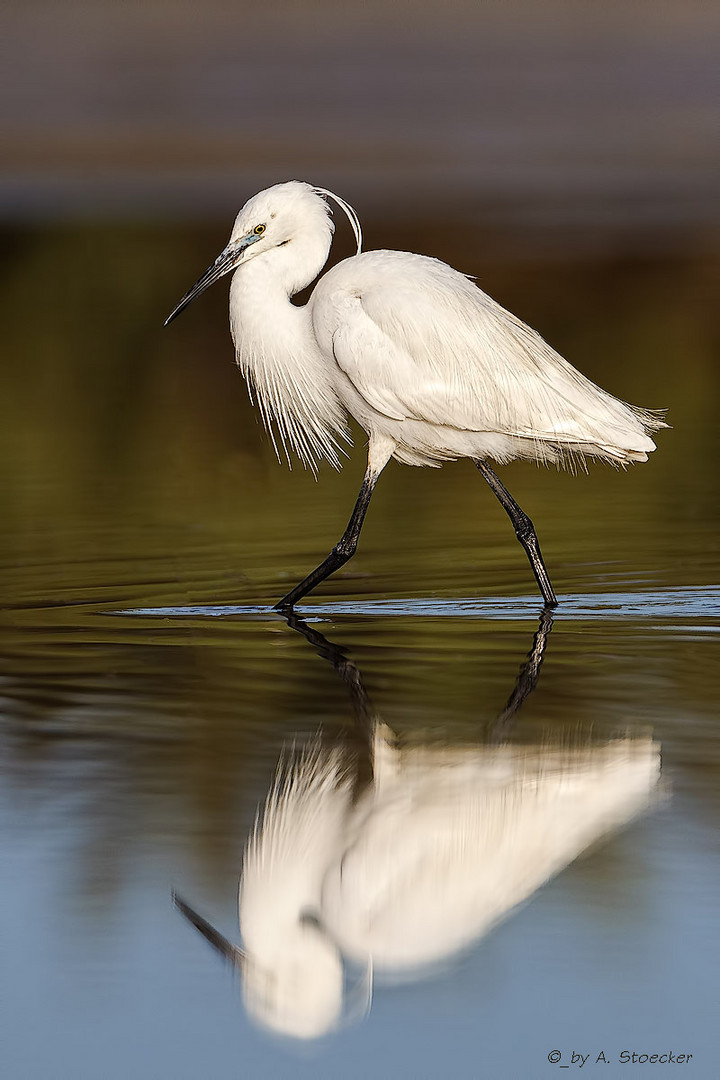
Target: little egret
pixel 430 366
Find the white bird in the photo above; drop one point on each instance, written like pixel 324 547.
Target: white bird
pixel 430 366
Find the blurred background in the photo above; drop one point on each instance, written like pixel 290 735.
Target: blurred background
pixel 566 121
pixel 563 152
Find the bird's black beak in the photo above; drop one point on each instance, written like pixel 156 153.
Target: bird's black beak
pixel 226 261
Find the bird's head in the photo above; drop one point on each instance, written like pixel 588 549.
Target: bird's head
pixel 294 217
pixel 295 986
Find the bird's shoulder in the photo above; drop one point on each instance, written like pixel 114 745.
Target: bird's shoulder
pixel 374 273
pixel 405 297
pixel 407 331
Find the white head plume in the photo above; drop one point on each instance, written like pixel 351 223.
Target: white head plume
pixel 350 213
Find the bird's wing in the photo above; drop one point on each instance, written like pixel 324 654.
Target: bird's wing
pixel 419 341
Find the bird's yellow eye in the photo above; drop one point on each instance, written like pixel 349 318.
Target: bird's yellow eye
pixel 259 229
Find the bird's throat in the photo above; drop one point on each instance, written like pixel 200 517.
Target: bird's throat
pixel 288 375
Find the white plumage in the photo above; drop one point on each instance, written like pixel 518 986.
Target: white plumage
pixel 432 363
pixel 430 366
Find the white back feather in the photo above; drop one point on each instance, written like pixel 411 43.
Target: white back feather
pixel 434 358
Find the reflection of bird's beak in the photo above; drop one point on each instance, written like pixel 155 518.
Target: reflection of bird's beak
pixel 230 952
pixel 226 261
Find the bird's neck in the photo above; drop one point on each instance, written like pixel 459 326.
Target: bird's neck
pixel 279 356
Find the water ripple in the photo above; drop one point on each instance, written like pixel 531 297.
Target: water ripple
pixel 677 603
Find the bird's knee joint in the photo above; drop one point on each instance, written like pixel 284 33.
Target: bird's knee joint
pixel 525 530
pixel 345 549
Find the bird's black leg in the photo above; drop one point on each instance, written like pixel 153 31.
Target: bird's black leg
pixel 524 530
pixel 341 553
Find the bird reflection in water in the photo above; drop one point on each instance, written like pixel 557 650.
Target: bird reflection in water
pixel 346 879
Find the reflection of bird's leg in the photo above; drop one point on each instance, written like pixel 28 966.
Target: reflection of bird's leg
pixel 527 676
pixel 363 711
pixel 343 550
pixel 345 668
pixel 524 530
